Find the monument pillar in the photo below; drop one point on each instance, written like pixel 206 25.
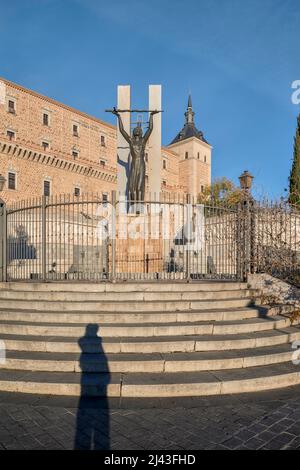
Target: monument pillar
pixel 154 151
pixel 123 151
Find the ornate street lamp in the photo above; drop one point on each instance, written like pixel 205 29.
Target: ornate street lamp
pixel 246 181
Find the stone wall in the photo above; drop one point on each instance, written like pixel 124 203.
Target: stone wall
pixel 274 290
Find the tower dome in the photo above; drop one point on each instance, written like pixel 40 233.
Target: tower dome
pixel 189 129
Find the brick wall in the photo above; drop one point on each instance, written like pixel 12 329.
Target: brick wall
pixel 194 166
pixel 92 169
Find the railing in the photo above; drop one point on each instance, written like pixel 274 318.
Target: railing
pixel 277 240
pixel 92 238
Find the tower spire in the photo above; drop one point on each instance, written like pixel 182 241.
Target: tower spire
pixel 189 129
pixel 189 114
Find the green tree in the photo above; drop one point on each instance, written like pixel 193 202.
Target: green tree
pixel 222 191
pixel 294 179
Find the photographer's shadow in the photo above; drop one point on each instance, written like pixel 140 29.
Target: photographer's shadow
pixel 92 420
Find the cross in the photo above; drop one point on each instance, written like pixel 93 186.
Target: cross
pixel 139 121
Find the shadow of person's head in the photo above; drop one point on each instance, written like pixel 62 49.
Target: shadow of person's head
pixel 91 330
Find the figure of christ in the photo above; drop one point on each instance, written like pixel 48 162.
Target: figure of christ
pixel 137 144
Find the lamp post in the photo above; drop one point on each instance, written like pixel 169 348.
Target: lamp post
pixel 248 225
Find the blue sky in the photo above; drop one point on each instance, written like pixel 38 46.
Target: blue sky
pixel 238 59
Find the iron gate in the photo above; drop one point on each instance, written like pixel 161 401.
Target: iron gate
pixel 95 237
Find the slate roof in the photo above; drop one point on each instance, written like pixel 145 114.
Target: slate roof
pixel 189 129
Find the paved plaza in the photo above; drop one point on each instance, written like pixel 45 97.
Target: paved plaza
pixel 266 420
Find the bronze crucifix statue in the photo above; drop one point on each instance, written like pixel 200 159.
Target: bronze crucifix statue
pixel 137 144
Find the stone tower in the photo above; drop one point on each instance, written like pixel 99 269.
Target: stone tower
pixel 195 155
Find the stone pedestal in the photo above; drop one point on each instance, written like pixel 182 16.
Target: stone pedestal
pixel 136 252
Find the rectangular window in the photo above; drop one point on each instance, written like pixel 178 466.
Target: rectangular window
pixel 102 140
pixel 75 130
pixel 146 157
pixel 186 155
pixel 74 154
pixel 11 106
pixel 47 188
pixel 11 135
pixel 77 191
pixel 45 145
pixel 104 197
pixel 45 119
pixel 204 158
pixel 164 164
pixel 11 180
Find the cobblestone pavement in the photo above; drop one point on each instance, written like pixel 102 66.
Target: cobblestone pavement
pixel 267 420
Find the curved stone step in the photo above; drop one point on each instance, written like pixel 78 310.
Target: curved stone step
pixel 127 286
pixel 150 317
pixel 61 383
pixel 220 382
pixel 82 296
pixel 116 306
pixel 146 363
pixel 252 379
pixel 145 330
pixel 149 345
pixel 154 339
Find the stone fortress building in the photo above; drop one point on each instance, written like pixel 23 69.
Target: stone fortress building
pixel 48 148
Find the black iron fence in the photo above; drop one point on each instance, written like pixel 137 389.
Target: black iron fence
pixel 276 240
pixel 96 237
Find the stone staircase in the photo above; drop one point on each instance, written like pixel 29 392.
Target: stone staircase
pixel 143 339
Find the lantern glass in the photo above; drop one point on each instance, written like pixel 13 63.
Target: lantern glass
pixel 246 180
